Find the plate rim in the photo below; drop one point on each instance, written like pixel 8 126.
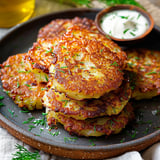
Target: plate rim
pixel 11 125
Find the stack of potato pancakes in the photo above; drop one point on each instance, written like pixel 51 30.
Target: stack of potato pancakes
pixel 77 74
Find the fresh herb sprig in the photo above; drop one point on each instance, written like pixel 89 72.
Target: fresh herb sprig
pixel 115 2
pixel 24 154
pixel 87 3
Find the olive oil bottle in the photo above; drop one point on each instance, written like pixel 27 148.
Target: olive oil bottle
pixel 13 12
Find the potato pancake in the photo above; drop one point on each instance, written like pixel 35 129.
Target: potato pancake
pixel 59 26
pixel 93 127
pixel 110 104
pixel 144 67
pixel 21 84
pixel 82 64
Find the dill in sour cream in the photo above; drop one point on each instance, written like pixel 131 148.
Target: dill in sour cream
pixel 124 24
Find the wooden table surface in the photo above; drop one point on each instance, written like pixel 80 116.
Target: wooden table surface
pixel 156 2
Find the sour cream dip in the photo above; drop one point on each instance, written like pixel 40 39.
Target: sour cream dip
pixel 124 24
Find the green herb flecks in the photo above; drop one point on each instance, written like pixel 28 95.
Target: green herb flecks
pixel 18 85
pixel 54 133
pixel 125 31
pixel 107 36
pixel 138 16
pixel 133 34
pixel 25 110
pixel 7 66
pixel 122 140
pixel 1 104
pixel 46 78
pixel 101 50
pixel 61 70
pixel 1 97
pixel 92 141
pixel 29 120
pixel 130 64
pixel 24 154
pixel 70 139
pixel 50 50
pixel 66 101
pixel 12 113
pixel 146 131
pixel 144 122
pixel 64 47
pixel 28 85
pixel 64 67
pixel 42 121
pixel 114 64
pixel 133 134
pixel 137 58
pixel 31 127
pixel 153 72
pixel 24 71
pixel 124 17
pixel 81 62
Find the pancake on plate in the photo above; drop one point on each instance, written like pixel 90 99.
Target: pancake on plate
pixel 93 127
pixel 82 64
pixel 25 86
pixel 109 104
pixel 144 70
pixel 59 26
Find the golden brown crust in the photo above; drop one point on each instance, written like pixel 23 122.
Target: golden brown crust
pixel 21 84
pixel 93 127
pixel 110 104
pixel 59 26
pixel 83 64
pixel 144 67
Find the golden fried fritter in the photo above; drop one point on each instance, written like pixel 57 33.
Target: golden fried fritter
pixel 82 64
pixel 21 84
pixel 144 67
pixel 110 104
pixel 93 127
pixel 59 26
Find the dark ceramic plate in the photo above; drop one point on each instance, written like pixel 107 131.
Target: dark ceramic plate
pixel 137 136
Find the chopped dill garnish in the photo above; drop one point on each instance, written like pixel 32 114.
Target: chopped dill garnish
pixel 49 51
pixel 138 16
pixel 114 64
pixel 27 85
pixel 1 97
pixel 61 70
pixel 7 66
pixel 66 101
pixel 153 72
pixel 1 104
pixel 24 154
pixel 124 17
pixel 31 127
pixel 132 34
pixel 28 120
pixel 64 67
pixel 70 139
pixel 42 121
pixel 46 77
pixel 92 141
pixel 54 133
pixel 25 110
pixel 125 30
pixel 11 112
pixel 18 85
